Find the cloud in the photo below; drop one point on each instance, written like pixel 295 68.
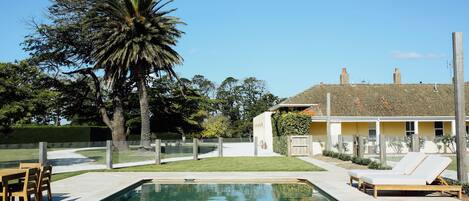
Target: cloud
pixel 415 55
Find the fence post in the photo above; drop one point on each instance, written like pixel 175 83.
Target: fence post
pixel 288 145
pixel 382 149
pixel 43 153
pixel 361 147
pixel 109 154
pixel 340 144
pixel 195 148
pixel 157 151
pixel 220 147
pixel 415 143
pixel 255 146
pixel 310 145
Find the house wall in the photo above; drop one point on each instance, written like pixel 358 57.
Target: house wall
pixel 392 128
pixel 427 129
pixel 355 128
pixel 262 129
pixel 318 128
pixel 447 128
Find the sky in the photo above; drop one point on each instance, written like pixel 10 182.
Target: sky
pixel 293 45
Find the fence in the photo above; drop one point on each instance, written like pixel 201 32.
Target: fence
pixel 389 149
pixel 76 156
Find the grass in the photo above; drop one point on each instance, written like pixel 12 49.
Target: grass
pixel 7 155
pixel 225 164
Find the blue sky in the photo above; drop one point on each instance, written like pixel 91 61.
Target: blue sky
pixel 296 44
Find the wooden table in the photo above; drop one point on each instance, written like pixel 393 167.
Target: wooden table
pixel 8 175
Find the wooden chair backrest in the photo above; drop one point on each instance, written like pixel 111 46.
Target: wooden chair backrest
pixel 30 165
pixel 45 176
pixel 31 180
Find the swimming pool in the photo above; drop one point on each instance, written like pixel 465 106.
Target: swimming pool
pixel 194 191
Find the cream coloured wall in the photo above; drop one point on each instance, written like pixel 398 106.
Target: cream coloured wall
pixel 262 129
pixel 447 128
pixel 392 128
pixel 355 128
pixel 427 129
pixel 318 128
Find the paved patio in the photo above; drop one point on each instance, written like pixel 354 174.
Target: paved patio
pixel 96 185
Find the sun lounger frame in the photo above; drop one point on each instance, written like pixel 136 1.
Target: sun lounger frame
pixel 438 185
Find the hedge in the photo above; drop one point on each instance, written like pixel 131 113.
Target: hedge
pixel 360 161
pixel 290 123
pixel 53 134
pixel 280 145
pixel 286 124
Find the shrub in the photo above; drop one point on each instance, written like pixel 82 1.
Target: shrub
pixel 378 166
pixel 280 145
pixel 54 134
pixel 345 157
pixel 361 161
pixel 465 186
pixel 335 155
pixel 290 123
pixel 327 153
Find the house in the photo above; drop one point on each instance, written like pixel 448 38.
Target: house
pixel 371 110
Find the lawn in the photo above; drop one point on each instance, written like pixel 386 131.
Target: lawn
pixel 225 164
pixel 11 157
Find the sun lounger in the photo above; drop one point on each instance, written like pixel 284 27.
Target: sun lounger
pixel 426 177
pixel 405 166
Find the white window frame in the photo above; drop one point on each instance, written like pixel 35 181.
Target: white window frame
pixel 371 130
pixel 442 129
pixel 409 128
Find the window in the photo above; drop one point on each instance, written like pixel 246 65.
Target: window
pixel 438 129
pixel 372 130
pixel 409 128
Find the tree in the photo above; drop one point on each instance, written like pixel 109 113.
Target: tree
pixel 177 111
pixel 203 85
pixel 66 44
pixel 228 93
pixel 21 94
pixel 242 101
pixel 136 37
pixel 216 126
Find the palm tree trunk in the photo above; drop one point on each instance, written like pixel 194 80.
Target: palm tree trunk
pixel 118 126
pixel 144 111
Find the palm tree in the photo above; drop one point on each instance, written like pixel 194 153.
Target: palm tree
pixel 136 38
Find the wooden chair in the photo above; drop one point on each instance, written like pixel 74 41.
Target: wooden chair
pixel 27 188
pixel 44 182
pixel 30 165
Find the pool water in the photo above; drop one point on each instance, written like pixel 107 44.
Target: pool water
pixel 223 192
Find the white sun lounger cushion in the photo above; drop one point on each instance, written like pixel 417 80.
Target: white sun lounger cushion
pixel 409 162
pixel 405 166
pixel 431 168
pixel 424 174
pixel 393 180
pixel 362 173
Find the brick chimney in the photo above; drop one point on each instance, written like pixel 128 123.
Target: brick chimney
pixel 397 76
pixel 344 79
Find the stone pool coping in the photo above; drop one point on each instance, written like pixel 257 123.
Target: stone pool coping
pixel 99 185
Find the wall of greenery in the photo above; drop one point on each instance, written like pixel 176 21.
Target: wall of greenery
pixel 285 124
pixel 52 134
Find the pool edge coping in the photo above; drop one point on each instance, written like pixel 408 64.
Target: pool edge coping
pixel 253 181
